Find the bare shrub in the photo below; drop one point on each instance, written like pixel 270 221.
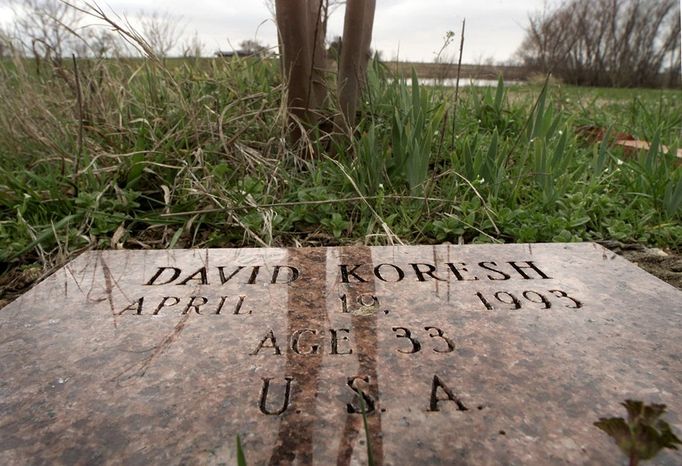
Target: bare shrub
pixel 622 43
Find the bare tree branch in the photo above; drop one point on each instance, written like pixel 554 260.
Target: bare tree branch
pixel 607 42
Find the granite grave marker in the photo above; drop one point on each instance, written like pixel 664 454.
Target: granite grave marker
pixel 485 354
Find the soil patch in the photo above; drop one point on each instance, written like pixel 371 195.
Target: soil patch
pixel 666 265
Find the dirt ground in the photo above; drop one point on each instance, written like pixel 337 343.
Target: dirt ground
pixel 665 265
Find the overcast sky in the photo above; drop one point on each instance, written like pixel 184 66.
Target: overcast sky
pixel 413 28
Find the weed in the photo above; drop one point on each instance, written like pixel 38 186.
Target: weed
pixel 643 435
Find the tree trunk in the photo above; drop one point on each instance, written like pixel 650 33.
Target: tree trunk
pixel 357 37
pixel 302 47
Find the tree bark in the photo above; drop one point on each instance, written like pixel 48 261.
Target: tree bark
pixel 302 47
pixel 357 37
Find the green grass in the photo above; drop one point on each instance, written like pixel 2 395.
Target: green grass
pixel 241 457
pixel 196 155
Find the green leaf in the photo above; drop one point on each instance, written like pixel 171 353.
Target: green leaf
pixel 644 434
pixel 648 442
pixel 668 438
pixel 370 456
pixel 136 169
pixel 618 430
pixel 601 155
pixel 241 458
pixel 499 95
pixel 47 234
pixel 415 90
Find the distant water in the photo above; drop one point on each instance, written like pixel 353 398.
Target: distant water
pixel 463 82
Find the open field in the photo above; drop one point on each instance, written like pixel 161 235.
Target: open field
pixel 449 71
pixel 423 70
pixel 107 154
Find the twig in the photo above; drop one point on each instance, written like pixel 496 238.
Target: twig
pixel 79 99
pixel 131 36
pixel 459 72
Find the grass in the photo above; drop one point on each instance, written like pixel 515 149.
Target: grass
pixel 241 457
pixel 195 154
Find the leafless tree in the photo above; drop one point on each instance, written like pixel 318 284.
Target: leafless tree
pixel 55 29
pixel 162 31
pixel 193 47
pixel 102 43
pixel 45 28
pixel 607 42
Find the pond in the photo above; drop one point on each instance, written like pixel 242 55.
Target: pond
pixel 464 82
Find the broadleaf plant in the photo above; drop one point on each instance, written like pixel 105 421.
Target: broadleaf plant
pixel 644 434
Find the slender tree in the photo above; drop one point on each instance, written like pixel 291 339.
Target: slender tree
pixel 357 37
pixel 303 55
pixel 302 29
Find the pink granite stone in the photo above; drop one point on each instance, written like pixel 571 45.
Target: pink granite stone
pixel 480 355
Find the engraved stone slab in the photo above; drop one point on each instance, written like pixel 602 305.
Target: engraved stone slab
pixel 474 354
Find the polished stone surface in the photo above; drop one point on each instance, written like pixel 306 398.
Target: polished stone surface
pixel 462 354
